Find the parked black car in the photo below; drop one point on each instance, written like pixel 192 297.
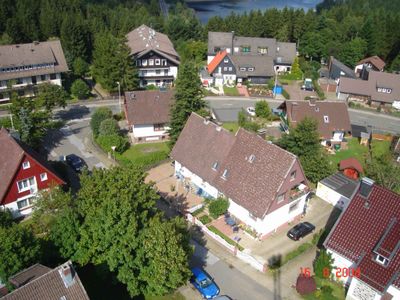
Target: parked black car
pixel 300 230
pixel 76 163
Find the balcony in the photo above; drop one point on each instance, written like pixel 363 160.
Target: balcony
pixel 298 191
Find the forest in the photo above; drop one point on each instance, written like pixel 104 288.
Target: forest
pixel 346 29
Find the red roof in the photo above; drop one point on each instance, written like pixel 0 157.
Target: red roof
pixel 351 163
pixel 216 61
pixel 370 226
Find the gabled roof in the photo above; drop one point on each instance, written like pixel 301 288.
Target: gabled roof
pixel 351 163
pixel 376 61
pixel 368 226
pixel 341 66
pixel 145 38
pixel 263 65
pixel 28 275
pixel 216 61
pixel 338 116
pixel 148 107
pixel 11 154
pixel 60 283
pixel 390 82
pixel 254 185
pixel 37 53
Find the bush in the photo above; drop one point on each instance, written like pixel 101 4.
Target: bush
pixel 5 122
pixel 198 211
pixel 242 118
pixel 318 90
pixel 99 116
pixel 80 89
pixel 107 141
pixel 218 207
pixel 263 110
pixel 6 219
pixel 285 94
pixel 205 219
pixel 80 67
pixel 108 127
pixel 323 264
pixel 151 87
pixel 251 126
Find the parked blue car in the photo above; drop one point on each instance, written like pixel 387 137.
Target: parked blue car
pixel 204 284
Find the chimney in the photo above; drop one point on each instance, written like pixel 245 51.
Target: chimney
pixel 67 274
pixel 366 188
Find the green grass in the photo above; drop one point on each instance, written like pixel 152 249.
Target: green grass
pixel 230 91
pixel 358 151
pixel 205 219
pixel 338 292
pixel 226 238
pixel 298 251
pixel 231 126
pixel 145 155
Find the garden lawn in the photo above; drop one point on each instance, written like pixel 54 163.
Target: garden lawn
pixel 231 91
pixel 358 151
pixel 145 155
pixel 231 126
pixel 338 292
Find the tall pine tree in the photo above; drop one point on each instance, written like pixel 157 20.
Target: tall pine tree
pixel 188 98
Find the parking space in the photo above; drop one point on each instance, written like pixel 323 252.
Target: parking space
pixel 296 93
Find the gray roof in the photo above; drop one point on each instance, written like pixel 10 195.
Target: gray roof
pixel 53 285
pixel 370 87
pixel 338 65
pixel 341 184
pixel 28 275
pixel 143 39
pixel 36 53
pixel 263 65
pixel 285 51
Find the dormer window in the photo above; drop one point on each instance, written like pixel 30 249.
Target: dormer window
pixel 26 165
pixel 326 119
pixel 242 69
pixel 252 158
pixel 215 166
pixel 226 60
pixel 251 69
pixel 382 260
pixel 225 174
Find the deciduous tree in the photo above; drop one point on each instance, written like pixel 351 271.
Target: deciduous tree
pixel 80 89
pixel 100 114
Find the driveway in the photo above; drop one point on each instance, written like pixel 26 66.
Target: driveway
pixel 318 214
pixel 296 93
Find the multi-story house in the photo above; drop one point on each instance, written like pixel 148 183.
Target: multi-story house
pixel 265 184
pixel 23 173
pixel 23 66
pixel 255 59
pixel 365 244
pixel 154 56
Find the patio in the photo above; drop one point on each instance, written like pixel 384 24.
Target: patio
pixel 171 189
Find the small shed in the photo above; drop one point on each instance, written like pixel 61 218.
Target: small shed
pixel 365 138
pixel 337 189
pixel 351 167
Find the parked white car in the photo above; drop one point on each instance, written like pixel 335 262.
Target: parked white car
pixel 396 105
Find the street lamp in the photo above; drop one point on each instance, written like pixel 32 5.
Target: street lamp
pixel 119 97
pixel 113 149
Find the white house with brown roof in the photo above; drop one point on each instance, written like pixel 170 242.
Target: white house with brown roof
pixel 365 241
pixel 154 56
pixel 148 114
pixel 265 184
pixel 374 63
pixel 23 66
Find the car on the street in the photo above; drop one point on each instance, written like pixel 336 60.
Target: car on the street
pixel 204 283
pixel 251 111
pixel 75 162
pixel 308 85
pixel 300 230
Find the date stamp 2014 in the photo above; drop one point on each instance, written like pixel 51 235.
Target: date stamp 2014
pixel 338 272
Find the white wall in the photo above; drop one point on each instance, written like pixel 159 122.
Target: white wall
pixel 13 207
pixel 210 58
pixel 395 292
pixel 281 68
pixel 272 221
pixel 147 131
pixel 331 196
pixel 209 189
pixel 174 71
pixel 229 78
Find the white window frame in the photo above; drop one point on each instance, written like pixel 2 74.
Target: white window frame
pixel 157 62
pixel 230 68
pixel 144 62
pixel 215 166
pixel 225 69
pixel 326 119
pixel 225 174
pixel 26 165
pixel 30 200
pixel 226 60
pixel 163 62
pixel 382 260
pixel 293 175
pixel 26 184
pixel 242 69
pixel 280 198
pixel 151 62
pixel 251 69
pixel 43 176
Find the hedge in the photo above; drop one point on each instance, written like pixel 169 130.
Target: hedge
pixel 205 219
pixel 218 207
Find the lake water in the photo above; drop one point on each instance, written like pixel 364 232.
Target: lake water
pixel 207 9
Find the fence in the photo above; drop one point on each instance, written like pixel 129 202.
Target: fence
pixel 247 258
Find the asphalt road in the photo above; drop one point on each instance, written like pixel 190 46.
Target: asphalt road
pixel 226 110
pixel 230 281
